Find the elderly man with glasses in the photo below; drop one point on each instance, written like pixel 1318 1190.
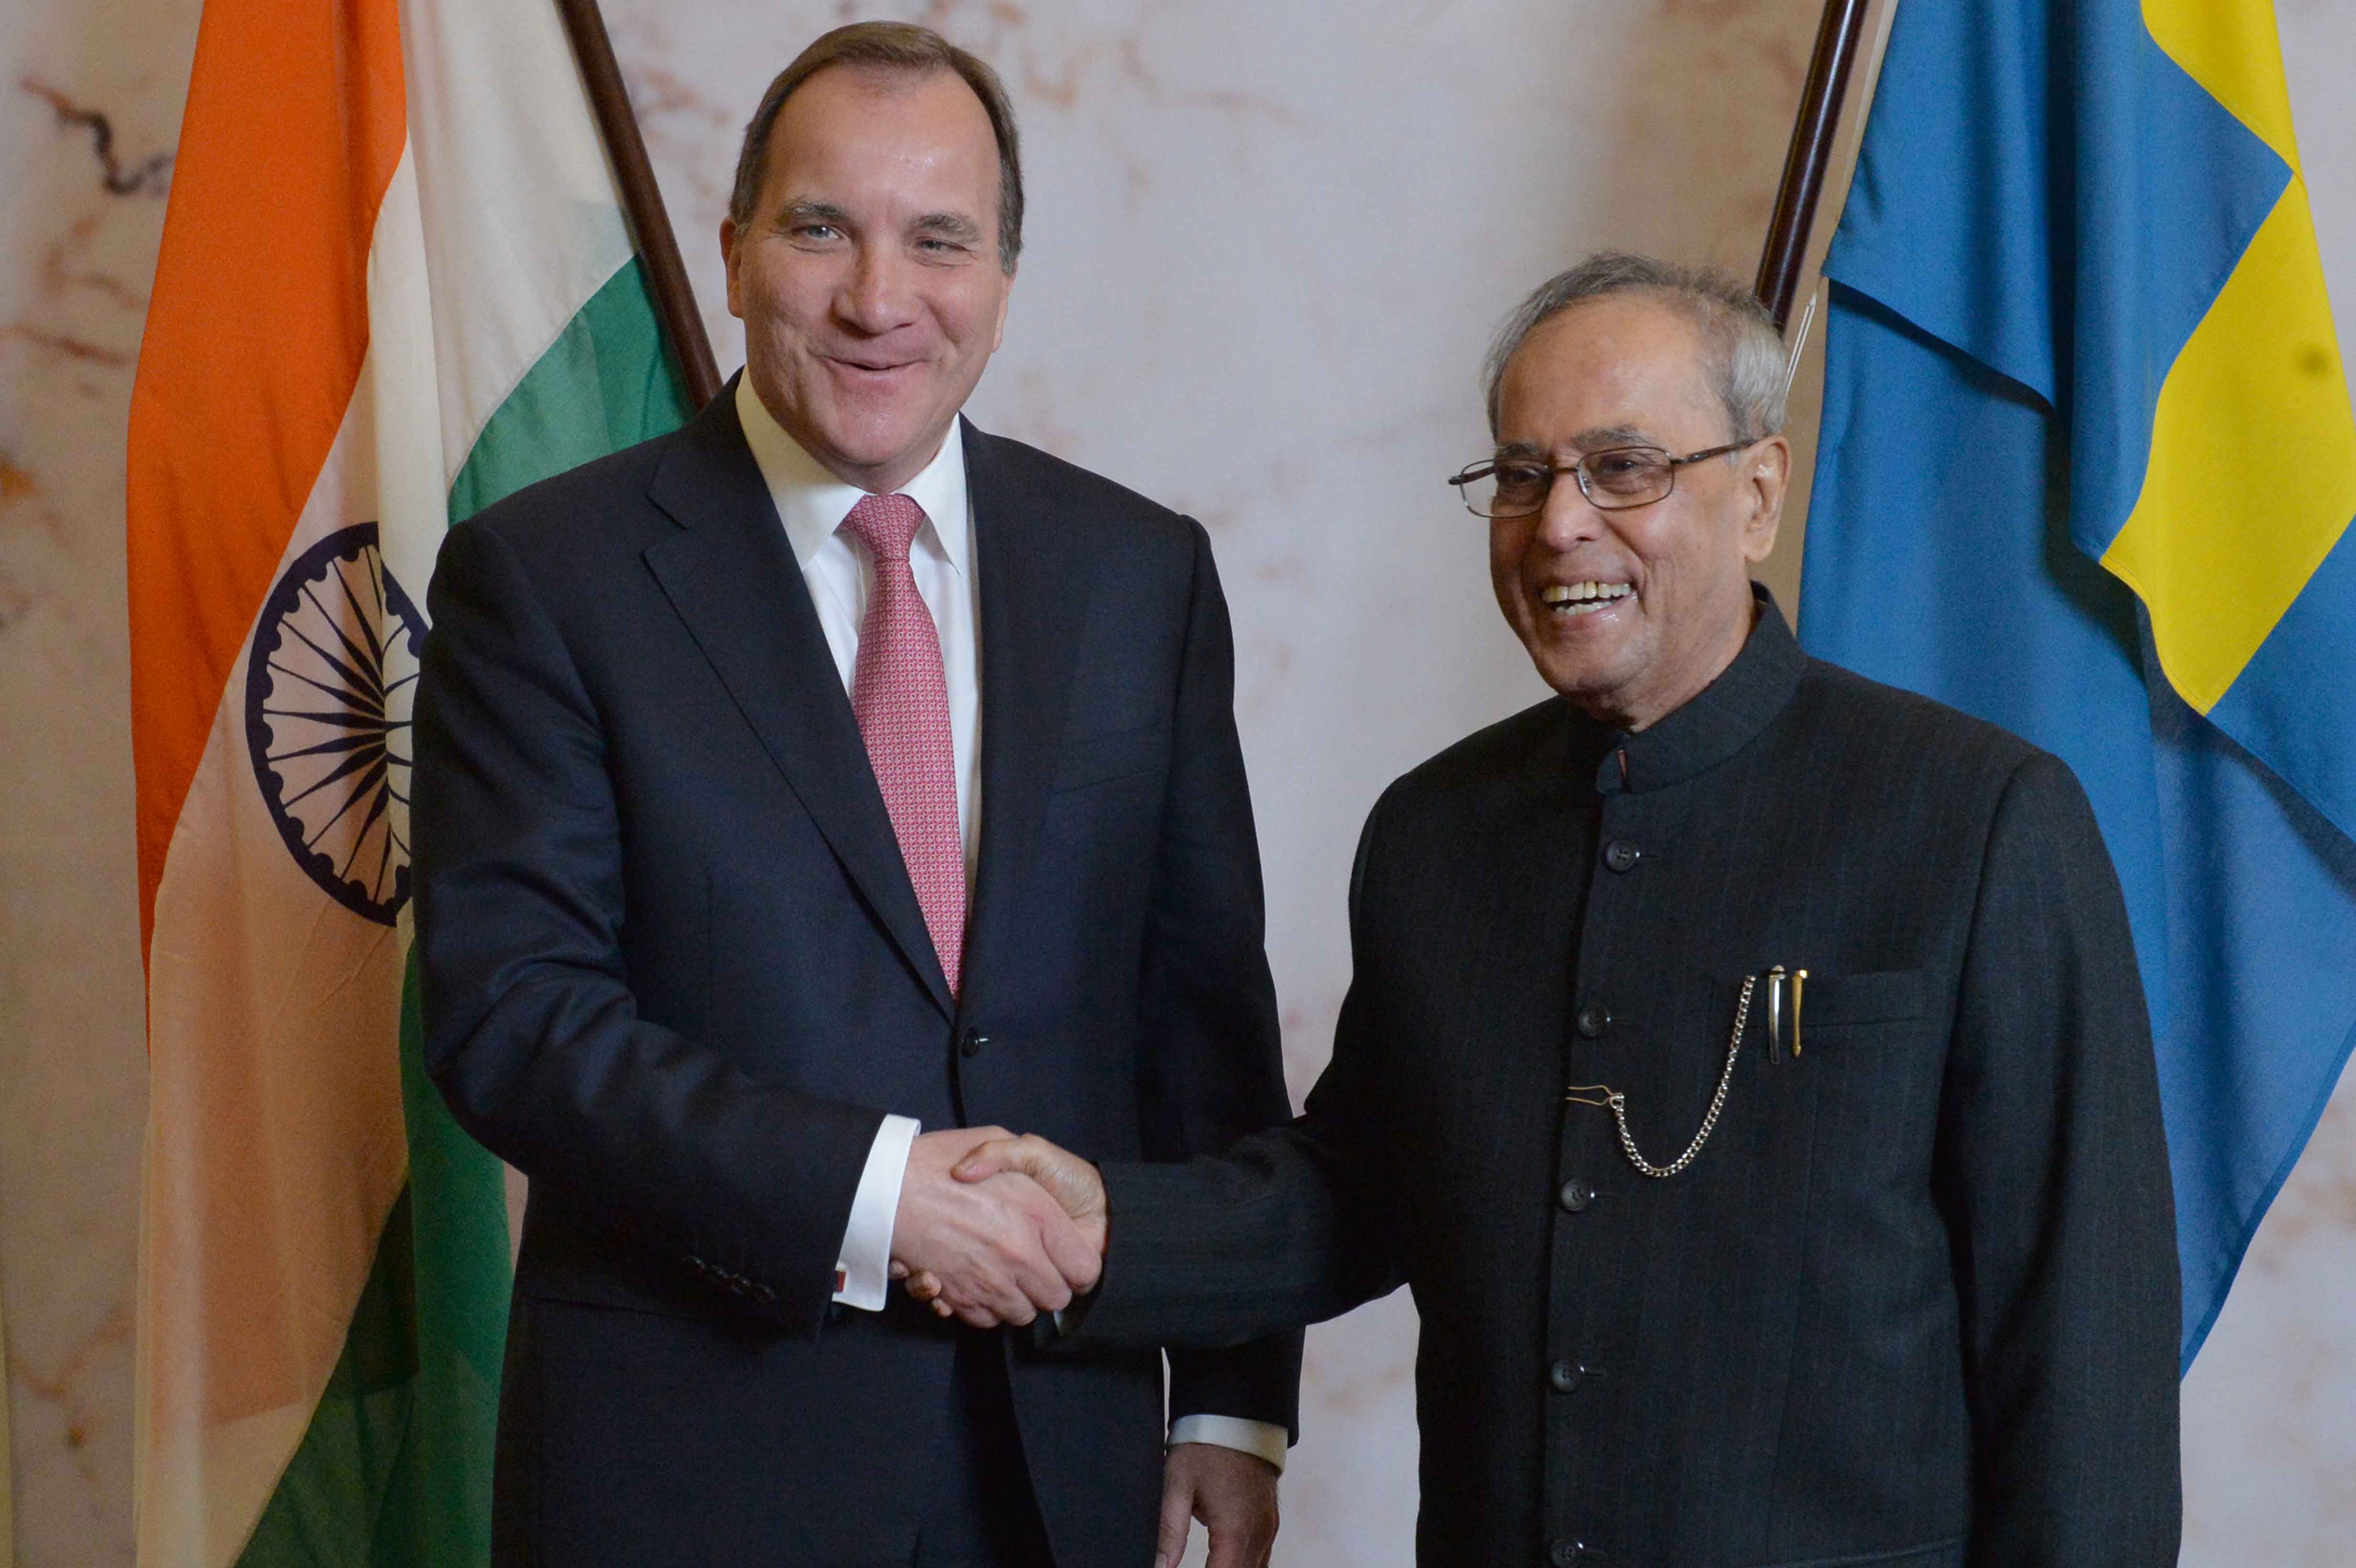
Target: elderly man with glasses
pixel 1745 1064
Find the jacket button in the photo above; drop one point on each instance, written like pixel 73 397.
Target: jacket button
pixel 1564 1375
pixel 1593 1019
pixel 1622 856
pixel 969 1044
pixel 1576 1195
pixel 1565 1553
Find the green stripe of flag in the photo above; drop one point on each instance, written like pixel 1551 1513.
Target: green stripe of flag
pixel 394 1470
pixel 606 383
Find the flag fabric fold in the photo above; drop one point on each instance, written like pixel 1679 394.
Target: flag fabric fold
pixel 395 284
pixel 2087 469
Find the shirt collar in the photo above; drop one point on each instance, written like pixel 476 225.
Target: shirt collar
pixel 812 502
pixel 1714 724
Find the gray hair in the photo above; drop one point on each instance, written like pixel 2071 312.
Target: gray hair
pixel 904 48
pixel 1746 353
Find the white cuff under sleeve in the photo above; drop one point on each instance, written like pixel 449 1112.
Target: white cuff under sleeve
pixel 1260 1439
pixel 863 1273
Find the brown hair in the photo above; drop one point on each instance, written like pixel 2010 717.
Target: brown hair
pixel 895 47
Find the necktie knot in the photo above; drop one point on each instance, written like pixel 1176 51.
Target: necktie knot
pixel 886 525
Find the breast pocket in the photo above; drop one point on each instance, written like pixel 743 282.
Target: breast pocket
pixel 1836 1002
pixel 1869 1054
pixel 1117 754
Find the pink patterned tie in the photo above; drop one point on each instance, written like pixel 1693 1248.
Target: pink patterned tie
pixel 901 697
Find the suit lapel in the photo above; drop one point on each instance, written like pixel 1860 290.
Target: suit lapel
pixel 1035 600
pixel 731 575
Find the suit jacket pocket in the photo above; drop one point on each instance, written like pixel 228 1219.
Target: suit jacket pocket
pixel 1933 1554
pixel 1118 754
pixel 1894 996
pixel 662 1299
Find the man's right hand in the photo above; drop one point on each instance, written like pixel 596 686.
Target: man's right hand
pixel 992 1252
pixel 1041 1167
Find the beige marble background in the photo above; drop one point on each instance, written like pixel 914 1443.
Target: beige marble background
pixel 1267 244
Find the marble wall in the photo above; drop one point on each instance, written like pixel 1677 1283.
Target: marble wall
pixel 1267 246
pixel 89 106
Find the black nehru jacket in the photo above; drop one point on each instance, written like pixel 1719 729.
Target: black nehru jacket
pixel 1914 1302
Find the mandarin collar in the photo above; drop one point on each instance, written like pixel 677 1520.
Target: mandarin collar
pixel 1714 724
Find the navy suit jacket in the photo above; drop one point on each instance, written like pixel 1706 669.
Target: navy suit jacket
pixel 673 969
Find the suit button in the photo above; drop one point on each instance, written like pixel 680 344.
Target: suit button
pixel 1576 1195
pixel 1622 856
pixel 969 1044
pixel 1564 1375
pixel 1593 1019
pixel 1564 1554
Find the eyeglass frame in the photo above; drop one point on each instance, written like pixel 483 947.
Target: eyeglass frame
pixel 1467 475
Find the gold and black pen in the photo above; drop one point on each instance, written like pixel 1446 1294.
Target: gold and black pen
pixel 1776 978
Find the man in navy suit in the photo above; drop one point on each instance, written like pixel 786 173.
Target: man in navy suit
pixel 798 793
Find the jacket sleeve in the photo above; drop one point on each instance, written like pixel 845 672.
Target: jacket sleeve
pixel 1211 1050
pixel 1292 1225
pixel 2051 1171
pixel 531 1031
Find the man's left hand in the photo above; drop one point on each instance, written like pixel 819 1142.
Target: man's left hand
pixel 1232 1492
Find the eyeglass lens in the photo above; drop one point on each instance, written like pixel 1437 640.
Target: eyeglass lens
pixel 1624 477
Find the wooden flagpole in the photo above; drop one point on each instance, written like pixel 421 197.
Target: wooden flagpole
pixel 642 199
pixel 1780 262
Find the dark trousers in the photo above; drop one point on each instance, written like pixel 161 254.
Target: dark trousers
pixel 982 1512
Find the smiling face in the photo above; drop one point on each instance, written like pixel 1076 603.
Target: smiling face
pixel 1630 612
pixel 867 274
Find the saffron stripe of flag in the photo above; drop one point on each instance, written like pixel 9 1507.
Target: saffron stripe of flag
pixel 395 283
pixel 2086 469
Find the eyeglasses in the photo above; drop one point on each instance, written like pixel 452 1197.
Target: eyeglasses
pixel 1613 479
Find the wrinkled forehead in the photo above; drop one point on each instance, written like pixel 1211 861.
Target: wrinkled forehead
pixel 888 127
pixel 1624 369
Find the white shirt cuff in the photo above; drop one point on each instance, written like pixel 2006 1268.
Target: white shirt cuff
pixel 862 1272
pixel 1260 1439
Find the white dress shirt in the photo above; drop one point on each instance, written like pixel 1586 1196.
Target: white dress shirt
pixel 812 504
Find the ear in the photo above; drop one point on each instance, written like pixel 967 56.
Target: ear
pixel 728 260
pixel 1766 472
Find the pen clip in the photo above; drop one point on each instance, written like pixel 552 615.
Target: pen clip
pixel 1799 980
pixel 1776 1013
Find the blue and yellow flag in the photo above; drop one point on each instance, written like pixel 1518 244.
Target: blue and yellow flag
pixel 2087 469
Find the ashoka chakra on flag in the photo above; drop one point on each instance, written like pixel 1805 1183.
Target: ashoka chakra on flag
pixel 327 693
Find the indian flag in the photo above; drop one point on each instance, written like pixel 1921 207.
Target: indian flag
pixel 396 284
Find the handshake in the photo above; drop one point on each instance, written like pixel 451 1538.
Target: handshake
pixel 994 1229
